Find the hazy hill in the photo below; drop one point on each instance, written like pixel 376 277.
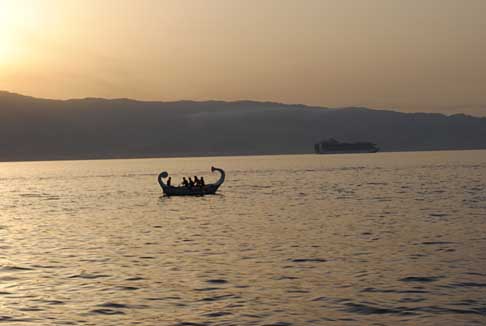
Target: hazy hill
pixel 37 129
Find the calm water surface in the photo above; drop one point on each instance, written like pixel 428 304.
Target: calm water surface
pixel 382 239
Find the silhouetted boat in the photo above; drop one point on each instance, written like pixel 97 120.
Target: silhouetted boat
pixel 209 189
pixel 332 146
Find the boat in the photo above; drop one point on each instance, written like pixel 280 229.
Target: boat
pixel 332 146
pixel 209 189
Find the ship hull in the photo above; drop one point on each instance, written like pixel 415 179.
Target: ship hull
pixel 332 146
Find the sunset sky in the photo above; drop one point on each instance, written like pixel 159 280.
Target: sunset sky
pixel 413 55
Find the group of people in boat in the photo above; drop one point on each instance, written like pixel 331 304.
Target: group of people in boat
pixel 189 183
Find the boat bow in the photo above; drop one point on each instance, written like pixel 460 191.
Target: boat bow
pixel 161 178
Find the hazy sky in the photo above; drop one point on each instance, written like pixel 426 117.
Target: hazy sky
pixel 409 55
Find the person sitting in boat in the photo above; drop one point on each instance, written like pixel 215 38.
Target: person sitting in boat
pixel 184 182
pixel 201 182
pixel 196 181
pixel 169 181
pixel 191 183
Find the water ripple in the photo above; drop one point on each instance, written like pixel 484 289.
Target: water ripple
pixel 385 239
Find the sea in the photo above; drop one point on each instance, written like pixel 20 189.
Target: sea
pixel 355 239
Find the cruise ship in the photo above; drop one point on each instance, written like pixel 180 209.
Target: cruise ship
pixel 332 146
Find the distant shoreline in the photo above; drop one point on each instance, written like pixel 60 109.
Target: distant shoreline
pixel 92 129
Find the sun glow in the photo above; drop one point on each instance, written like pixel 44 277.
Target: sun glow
pixel 6 30
pixel 17 18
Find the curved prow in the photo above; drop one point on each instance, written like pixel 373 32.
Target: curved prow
pixel 161 178
pixel 222 176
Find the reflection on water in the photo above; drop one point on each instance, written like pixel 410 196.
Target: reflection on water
pixel 374 239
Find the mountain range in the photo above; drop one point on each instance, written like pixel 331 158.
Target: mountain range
pixel 43 129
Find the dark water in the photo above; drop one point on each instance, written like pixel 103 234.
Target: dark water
pixel 379 239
